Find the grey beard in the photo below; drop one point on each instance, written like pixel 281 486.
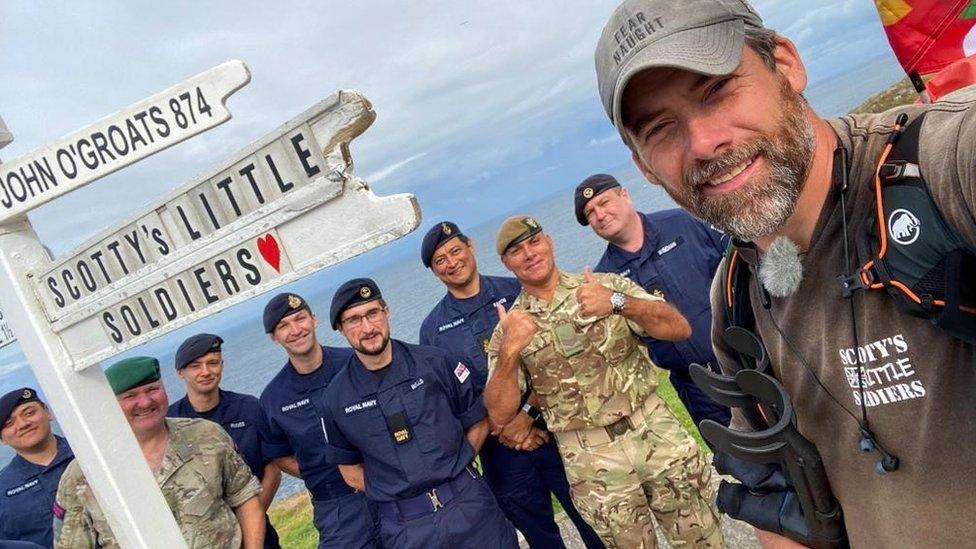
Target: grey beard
pixel 780 270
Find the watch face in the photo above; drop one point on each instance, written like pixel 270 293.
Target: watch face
pixel 617 300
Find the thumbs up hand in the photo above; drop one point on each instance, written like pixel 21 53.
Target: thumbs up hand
pixel 593 297
pixel 518 329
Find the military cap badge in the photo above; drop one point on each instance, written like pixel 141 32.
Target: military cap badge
pixel 445 228
pixel 588 192
pixel 27 393
pixel 294 302
pixel 365 292
pixel 530 223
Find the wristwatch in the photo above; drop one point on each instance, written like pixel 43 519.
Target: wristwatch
pixel 618 300
pixel 533 412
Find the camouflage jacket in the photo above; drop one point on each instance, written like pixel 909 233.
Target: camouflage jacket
pixel 586 371
pixel 202 478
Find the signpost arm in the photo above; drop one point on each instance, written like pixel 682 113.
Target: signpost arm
pixel 84 405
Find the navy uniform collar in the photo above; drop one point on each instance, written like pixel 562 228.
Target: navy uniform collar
pixel 330 359
pixel 651 237
pixel 368 383
pixel 486 294
pixel 64 453
pixel 564 289
pixel 187 410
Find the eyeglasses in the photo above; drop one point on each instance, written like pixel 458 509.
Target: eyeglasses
pixel 357 320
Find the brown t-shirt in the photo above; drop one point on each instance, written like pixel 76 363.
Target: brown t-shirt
pixel 920 384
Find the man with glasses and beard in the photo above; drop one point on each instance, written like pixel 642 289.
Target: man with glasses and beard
pixel 709 102
pixel 404 423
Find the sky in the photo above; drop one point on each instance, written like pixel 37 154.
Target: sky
pixel 481 106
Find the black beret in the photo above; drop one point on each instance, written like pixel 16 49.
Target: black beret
pixel 132 372
pixel 437 235
pixel 281 306
pixel 14 399
pixel 355 292
pixel 195 347
pixel 589 188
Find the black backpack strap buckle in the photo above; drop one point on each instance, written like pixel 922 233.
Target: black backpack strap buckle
pixel 852 283
pixel 896 170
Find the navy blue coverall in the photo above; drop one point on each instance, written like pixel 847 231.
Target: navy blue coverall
pixel 406 425
pixel 26 507
pixel 292 404
pixel 677 262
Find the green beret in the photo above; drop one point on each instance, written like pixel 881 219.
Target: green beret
pixel 515 229
pixel 132 372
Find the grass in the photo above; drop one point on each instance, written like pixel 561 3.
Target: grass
pixel 292 516
pixel 901 93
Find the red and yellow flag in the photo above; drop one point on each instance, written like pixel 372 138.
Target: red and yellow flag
pixel 929 35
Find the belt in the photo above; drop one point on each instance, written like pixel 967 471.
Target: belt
pixel 606 434
pixel 430 501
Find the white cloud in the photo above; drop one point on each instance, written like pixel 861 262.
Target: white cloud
pixel 482 93
pixel 385 172
pixel 611 137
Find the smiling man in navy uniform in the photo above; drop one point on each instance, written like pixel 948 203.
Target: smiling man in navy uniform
pixel 404 422
pixel 200 363
pixel 671 255
pixel 295 437
pixel 30 481
pixel 523 475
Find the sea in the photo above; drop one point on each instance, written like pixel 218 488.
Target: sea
pixel 251 359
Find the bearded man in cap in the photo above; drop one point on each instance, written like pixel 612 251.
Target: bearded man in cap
pixel 404 423
pixel 671 255
pixel 30 481
pixel 520 460
pixel 575 340
pixel 293 404
pixel 210 490
pixel 709 101
pixel 200 363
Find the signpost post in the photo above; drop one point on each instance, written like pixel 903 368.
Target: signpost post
pixel 282 208
pixel 6 333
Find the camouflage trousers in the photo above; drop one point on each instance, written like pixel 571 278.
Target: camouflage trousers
pixel 655 468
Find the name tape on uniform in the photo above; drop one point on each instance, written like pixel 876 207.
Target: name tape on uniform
pixel 120 139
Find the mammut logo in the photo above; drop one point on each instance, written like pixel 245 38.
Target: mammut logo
pixel 903 227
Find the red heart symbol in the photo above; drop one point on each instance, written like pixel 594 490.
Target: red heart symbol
pixel 268 247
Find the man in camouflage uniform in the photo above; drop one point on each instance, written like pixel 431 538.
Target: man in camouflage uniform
pixel 208 486
pixel 576 340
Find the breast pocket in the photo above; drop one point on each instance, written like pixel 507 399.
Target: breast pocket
pixel 429 416
pixel 551 375
pixel 610 337
pixel 19 511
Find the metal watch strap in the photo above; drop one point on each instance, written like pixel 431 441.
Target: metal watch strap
pixel 618 300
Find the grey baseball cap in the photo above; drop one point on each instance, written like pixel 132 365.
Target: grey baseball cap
pixel 703 36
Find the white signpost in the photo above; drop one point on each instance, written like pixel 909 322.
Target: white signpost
pixel 6 333
pixel 282 208
pixel 119 139
pixel 278 210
